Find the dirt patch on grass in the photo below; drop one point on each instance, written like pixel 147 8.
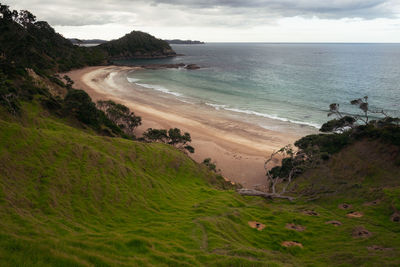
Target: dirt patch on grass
pixel 310 212
pixel 372 203
pixel 334 223
pixel 378 248
pixel 345 206
pixel 295 227
pixel 287 244
pixel 361 232
pixel 355 214
pixel 256 225
pixel 395 217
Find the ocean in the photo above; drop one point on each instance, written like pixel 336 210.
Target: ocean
pixel 293 83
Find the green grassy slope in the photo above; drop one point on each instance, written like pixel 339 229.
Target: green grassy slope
pixel 72 198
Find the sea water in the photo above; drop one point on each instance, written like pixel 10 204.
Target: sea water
pixel 294 83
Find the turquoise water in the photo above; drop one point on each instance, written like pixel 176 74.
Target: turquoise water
pixel 288 82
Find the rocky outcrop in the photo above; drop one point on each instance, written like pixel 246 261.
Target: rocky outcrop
pixel 192 67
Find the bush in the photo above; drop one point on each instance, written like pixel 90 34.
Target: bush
pixel 211 165
pixel 154 135
pixel 338 124
pixel 79 104
pixel 8 95
pixel 388 133
pixel 120 115
pixel 173 137
pixel 329 143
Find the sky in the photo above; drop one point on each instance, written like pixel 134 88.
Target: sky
pixel 223 20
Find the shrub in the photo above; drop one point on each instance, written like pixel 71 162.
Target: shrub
pixel 8 95
pixel 120 115
pixel 173 137
pixel 79 104
pixel 211 165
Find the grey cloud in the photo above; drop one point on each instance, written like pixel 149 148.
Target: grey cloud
pixel 199 13
pixel 283 8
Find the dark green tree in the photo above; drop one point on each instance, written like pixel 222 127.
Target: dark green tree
pixel 156 135
pixel 338 125
pixel 69 81
pixel 6 13
pixel 79 104
pixel 120 115
pixel 173 137
pixel 210 165
pixel 8 95
pixel 26 18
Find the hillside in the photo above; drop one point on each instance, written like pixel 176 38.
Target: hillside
pixel 70 197
pixel 34 44
pixel 137 45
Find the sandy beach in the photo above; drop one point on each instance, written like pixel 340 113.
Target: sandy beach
pixel 237 146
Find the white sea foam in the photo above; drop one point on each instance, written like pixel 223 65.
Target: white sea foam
pixel 216 106
pixel 159 88
pixel 110 80
pixel 274 117
pixel 132 80
pixel 221 106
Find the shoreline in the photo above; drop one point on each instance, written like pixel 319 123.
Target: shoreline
pixel 238 148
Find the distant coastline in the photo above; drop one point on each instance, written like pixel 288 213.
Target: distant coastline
pixel 89 42
pixel 93 42
pixel 178 41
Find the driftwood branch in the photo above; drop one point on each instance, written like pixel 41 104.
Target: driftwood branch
pixel 256 193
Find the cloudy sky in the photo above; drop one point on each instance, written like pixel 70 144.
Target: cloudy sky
pixel 223 20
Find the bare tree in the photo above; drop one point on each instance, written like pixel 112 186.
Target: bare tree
pixel 279 178
pixel 343 122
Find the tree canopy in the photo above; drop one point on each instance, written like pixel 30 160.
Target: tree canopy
pixel 173 137
pixel 120 115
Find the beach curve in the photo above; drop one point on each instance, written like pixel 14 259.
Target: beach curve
pixel 239 148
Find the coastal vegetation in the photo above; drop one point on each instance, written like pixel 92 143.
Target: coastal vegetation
pixel 172 137
pixel 312 150
pixel 27 43
pixel 120 115
pixel 45 51
pixel 76 189
pixel 210 164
